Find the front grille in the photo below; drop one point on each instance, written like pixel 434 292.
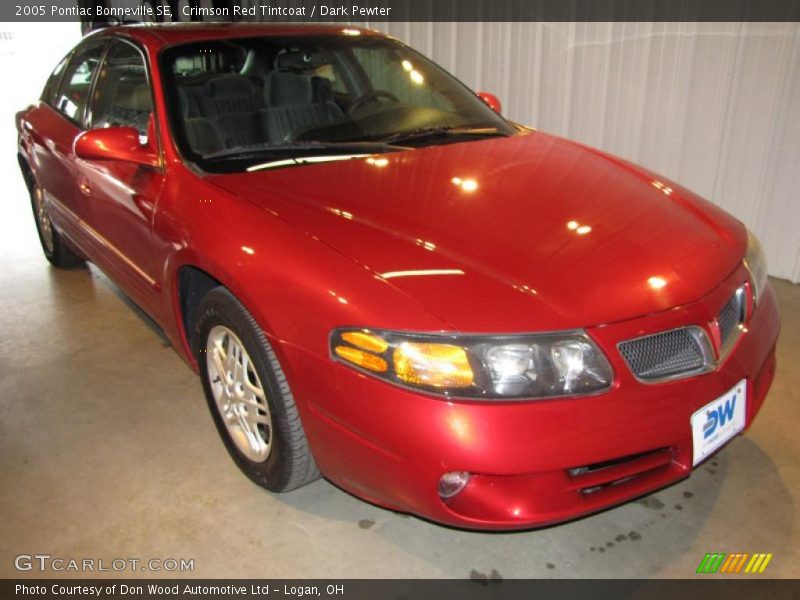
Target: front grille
pixel 669 354
pixel 731 317
pixel 594 478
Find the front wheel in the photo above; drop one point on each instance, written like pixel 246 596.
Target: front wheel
pixel 55 249
pixel 249 397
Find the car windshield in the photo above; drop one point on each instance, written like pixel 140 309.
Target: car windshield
pixel 239 103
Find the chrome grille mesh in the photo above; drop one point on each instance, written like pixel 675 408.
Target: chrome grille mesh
pixel 685 351
pixel 667 354
pixel 731 316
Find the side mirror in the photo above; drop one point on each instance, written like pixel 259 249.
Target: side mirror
pixel 114 143
pixel 492 100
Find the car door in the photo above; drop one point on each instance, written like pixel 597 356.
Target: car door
pixel 122 196
pixel 50 131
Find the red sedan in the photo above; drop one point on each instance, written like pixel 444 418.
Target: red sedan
pixel 380 279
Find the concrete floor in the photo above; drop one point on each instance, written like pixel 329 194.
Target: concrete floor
pixel 108 451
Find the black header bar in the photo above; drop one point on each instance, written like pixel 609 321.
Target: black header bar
pixel 712 588
pixel 401 10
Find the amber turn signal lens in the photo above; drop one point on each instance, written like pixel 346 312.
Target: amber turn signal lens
pixel 437 365
pixel 361 359
pixel 366 341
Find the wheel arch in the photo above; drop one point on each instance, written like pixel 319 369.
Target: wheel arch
pixel 192 284
pixel 27 171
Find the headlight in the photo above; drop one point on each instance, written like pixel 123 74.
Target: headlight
pixel 756 264
pixel 474 366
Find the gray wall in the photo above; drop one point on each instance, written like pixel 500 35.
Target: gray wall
pixel 714 106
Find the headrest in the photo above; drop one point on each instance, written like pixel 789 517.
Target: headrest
pixel 299 60
pixel 183 102
pixel 285 87
pixel 230 85
pixel 136 98
pixel 323 89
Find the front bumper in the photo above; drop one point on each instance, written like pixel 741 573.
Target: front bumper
pixel 529 459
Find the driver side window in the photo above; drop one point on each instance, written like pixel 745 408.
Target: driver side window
pixel 74 90
pixel 122 96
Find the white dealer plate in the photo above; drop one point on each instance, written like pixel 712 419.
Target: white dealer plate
pixel 718 421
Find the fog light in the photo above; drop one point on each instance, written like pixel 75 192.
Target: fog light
pixel 453 483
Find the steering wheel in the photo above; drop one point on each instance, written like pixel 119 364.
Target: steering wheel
pixel 371 97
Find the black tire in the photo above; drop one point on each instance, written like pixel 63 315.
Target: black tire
pixel 58 253
pixel 290 463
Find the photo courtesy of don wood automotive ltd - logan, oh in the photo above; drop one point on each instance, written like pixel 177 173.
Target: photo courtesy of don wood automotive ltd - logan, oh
pixel 400 299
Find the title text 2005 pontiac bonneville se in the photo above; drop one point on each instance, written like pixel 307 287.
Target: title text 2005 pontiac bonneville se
pixel 380 279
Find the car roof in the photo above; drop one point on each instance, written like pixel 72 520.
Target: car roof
pixel 166 34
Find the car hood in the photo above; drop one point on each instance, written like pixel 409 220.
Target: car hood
pixel 524 233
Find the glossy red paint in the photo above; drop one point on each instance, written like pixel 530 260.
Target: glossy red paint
pixel 492 101
pixel 529 233
pixel 114 143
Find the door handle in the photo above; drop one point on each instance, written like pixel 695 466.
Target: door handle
pixel 83 186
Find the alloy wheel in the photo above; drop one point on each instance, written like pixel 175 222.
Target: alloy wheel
pixel 239 394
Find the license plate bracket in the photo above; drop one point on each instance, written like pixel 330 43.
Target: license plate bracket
pixel 717 422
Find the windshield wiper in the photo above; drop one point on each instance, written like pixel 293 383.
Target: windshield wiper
pixel 258 150
pixel 442 131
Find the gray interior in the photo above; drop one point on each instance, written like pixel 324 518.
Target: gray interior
pixel 234 110
pixel 126 100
